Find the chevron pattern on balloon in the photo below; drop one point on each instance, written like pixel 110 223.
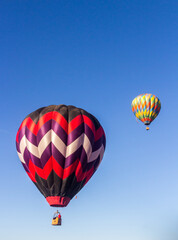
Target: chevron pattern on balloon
pixel 61 141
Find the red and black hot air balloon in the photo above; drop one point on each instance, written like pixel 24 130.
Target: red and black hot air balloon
pixel 60 148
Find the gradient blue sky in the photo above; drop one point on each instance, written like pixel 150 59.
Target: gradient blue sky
pixel 97 55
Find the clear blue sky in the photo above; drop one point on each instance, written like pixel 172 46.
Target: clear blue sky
pixel 97 55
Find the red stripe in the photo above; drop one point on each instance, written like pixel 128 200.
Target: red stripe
pixel 34 128
pixel 89 174
pixel 79 120
pixel 75 123
pixel 68 128
pixel 88 121
pixel 41 172
pixel 31 126
pixel 57 168
pixel 21 126
pixel 55 116
pixel 99 133
pixel 52 164
pixel 31 177
pixel 69 170
pixel 80 175
pixel 44 173
pixel 17 137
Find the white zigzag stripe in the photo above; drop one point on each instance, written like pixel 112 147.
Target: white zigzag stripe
pixel 66 151
pixel 95 154
pixel 21 157
pixel 101 154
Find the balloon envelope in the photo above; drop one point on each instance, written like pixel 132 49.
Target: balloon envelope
pixel 60 148
pixel 146 107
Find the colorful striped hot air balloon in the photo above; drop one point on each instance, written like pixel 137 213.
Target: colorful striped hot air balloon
pixel 60 148
pixel 146 108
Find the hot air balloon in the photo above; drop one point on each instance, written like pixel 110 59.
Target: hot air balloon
pixel 146 108
pixel 60 148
